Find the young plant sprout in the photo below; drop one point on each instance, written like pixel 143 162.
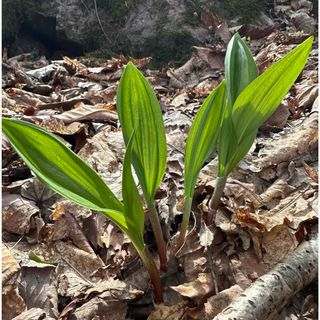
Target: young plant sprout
pixel 64 172
pixel 138 108
pixel 247 102
pixel 227 121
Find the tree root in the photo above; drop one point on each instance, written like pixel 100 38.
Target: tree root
pixel 271 292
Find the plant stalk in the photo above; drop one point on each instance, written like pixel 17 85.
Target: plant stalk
pixel 215 200
pixel 157 231
pixel 185 222
pixel 150 265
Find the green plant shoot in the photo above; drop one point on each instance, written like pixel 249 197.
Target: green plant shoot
pixel 63 171
pixel 138 108
pixel 253 104
pixel 201 142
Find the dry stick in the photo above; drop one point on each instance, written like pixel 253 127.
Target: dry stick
pixel 215 200
pixel 271 292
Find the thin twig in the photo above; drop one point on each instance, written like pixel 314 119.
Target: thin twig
pixel 99 21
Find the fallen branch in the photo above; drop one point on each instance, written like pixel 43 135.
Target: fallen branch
pixel 271 292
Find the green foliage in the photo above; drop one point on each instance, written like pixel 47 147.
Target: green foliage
pixel 203 136
pixel 139 109
pixel 166 46
pixel 255 104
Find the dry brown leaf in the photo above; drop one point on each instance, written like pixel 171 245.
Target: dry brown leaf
pixel 289 146
pixel 277 120
pixel 16 213
pixel 197 290
pixel 175 312
pixel 38 289
pixel 277 244
pixel 255 32
pixel 80 113
pixel 33 314
pixel 218 25
pixel 97 153
pixel 217 303
pixel 12 305
pixel 10 270
pixel 81 261
pixel 214 57
pixel 311 171
pixel 12 302
pixel 100 308
pixel 62 212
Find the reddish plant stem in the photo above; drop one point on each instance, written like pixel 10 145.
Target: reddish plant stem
pixel 184 224
pixel 215 200
pixel 154 274
pixel 158 234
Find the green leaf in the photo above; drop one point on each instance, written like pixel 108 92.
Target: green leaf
pixel 58 167
pixel 36 258
pixel 256 103
pixel 263 96
pixel 138 108
pixel 134 213
pixel 203 136
pixel 240 68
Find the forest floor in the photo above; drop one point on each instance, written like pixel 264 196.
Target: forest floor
pixel 61 261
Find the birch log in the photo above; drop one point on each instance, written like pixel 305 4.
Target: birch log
pixel 271 292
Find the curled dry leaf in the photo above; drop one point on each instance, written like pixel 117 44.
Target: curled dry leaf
pixel 97 153
pixel 175 312
pixel 80 113
pixel 62 212
pixel 16 213
pixel 38 288
pixel 12 302
pixel 290 146
pixel 33 314
pixel 197 290
pixel 82 262
pixel 217 303
pixel 102 308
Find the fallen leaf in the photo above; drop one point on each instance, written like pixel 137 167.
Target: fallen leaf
pixel 175 312
pixel 197 290
pixel 16 213
pixel 217 303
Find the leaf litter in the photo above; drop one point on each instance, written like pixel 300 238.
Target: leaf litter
pixel 268 206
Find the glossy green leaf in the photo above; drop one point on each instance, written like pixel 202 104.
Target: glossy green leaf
pixel 263 96
pixel 257 102
pixel 134 213
pixel 203 135
pixel 138 108
pixel 58 167
pixel 240 68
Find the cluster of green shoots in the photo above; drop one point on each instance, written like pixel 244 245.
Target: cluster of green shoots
pixel 227 121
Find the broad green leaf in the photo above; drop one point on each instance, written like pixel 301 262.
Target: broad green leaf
pixel 257 102
pixel 58 167
pixel 133 209
pixel 240 68
pixel 138 108
pixel 203 136
pixel 261 98
pixel 228 143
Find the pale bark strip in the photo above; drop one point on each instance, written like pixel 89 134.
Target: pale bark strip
pixel 270 293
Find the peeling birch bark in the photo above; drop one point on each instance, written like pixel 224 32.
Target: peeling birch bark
pixel 271 292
